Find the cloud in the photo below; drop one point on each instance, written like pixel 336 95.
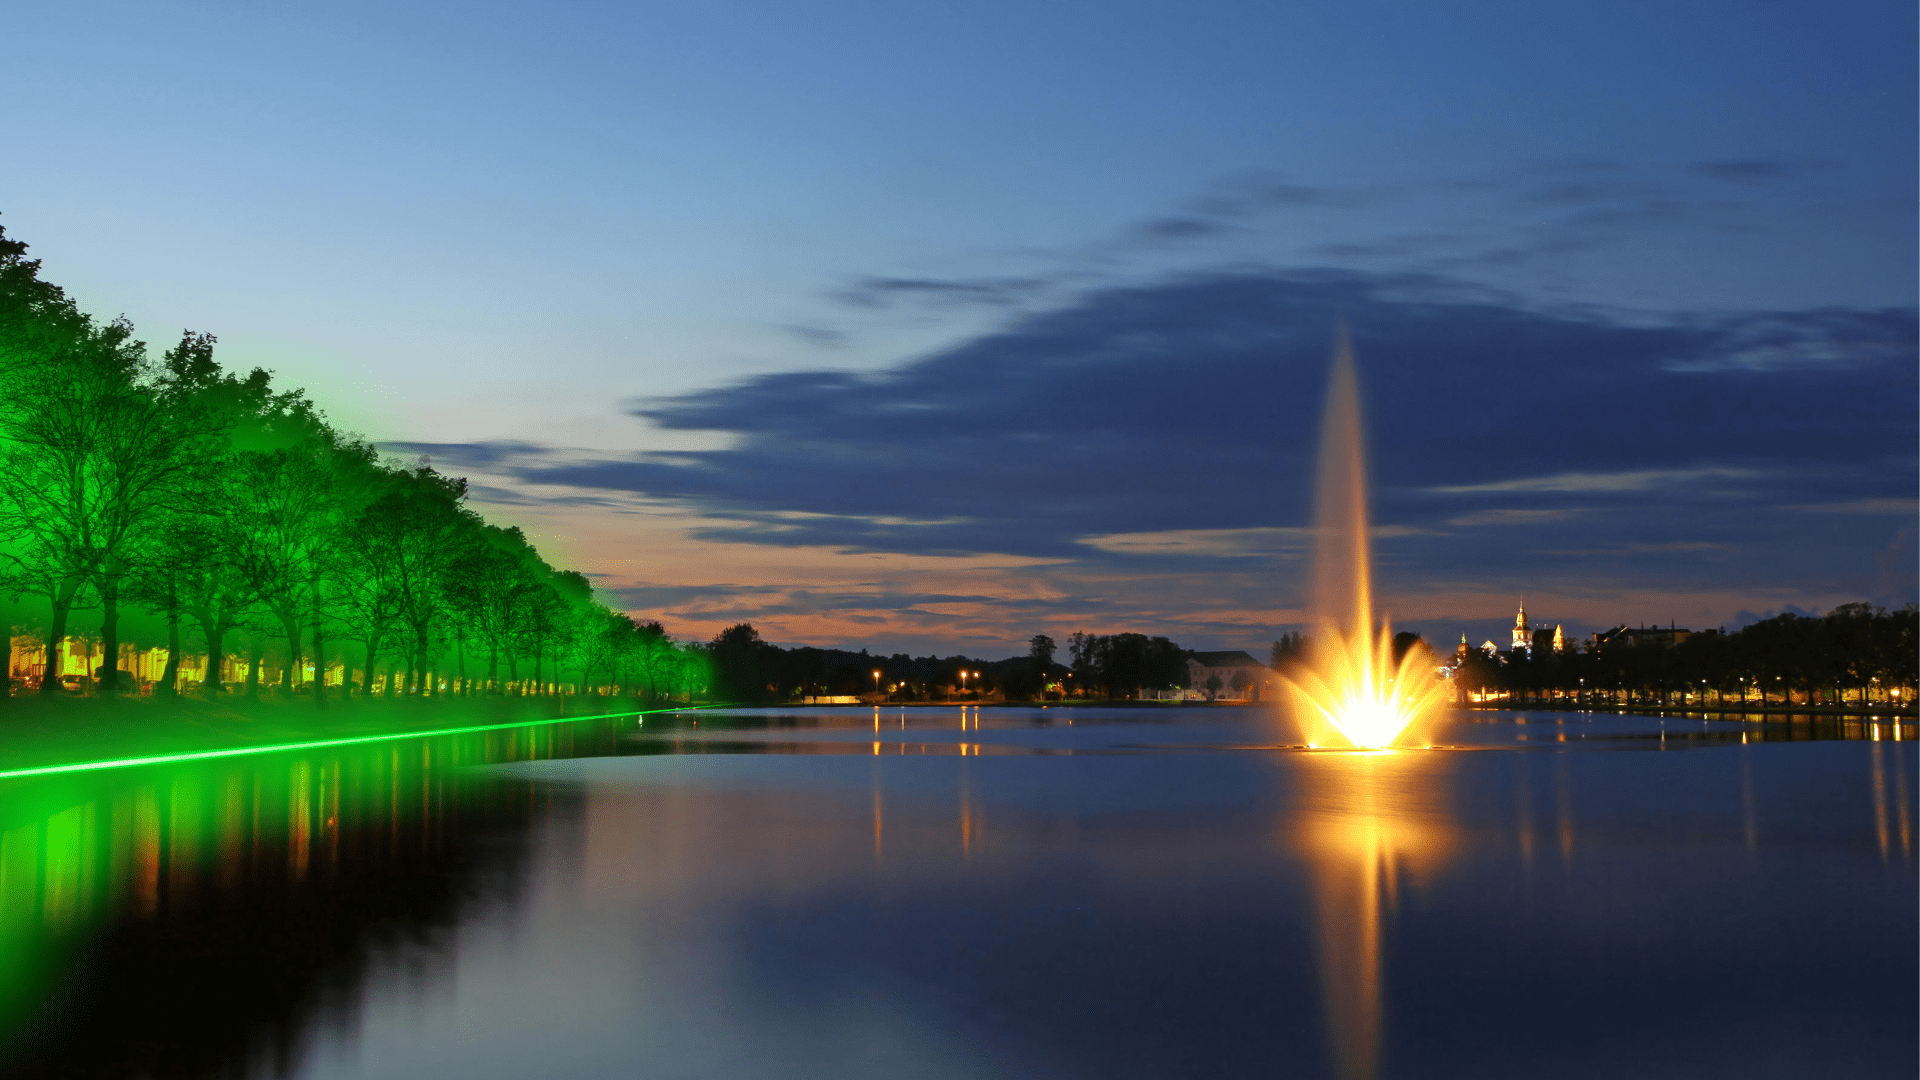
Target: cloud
pixel 469 455
pixel 1215 543
pixel 1178 419
pixel 880 292
pixel 1751 171
pixel 1636 480
pixel 1896 507
pixel 819 336
pixel 1744 617
pixel 1173 229
pixel 1823 339
pixel 1513 517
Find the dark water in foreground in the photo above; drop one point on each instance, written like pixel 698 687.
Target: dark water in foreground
pixel 976 893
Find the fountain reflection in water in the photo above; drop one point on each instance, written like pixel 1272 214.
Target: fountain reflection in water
pixel 1351 682
pixel 1370 824
pixel 1370 819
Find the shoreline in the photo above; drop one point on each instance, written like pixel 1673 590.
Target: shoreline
pixel 38 734
pixel 1751 714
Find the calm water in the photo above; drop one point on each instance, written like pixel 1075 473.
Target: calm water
pixel 977 893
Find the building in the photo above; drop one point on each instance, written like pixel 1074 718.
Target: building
pixel 1665 637
pixel 1241 677
pixel 1522 633
pixel 79 660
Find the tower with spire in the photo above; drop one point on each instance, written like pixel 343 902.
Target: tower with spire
pixel 1522 633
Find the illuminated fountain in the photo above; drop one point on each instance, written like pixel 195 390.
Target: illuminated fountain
pixel 1368 822
pixel 1350 681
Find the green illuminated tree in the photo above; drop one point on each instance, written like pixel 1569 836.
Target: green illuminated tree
pixel 93 457
pixel 406 538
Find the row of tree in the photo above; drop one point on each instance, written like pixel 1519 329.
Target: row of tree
pixel 748 668
pixel 1856 651
pixel 224 508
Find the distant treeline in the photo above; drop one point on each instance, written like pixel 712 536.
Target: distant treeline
pixel 1854 652
pixel 225 516
pixel 747 668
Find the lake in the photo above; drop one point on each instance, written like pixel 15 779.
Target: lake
pixel 977 892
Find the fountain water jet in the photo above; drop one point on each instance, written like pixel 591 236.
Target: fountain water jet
pixel 1350 680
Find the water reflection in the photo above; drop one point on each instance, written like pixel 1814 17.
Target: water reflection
pixel 1892 824
pixel 878 895
pixel 253 884
pixel 1368 824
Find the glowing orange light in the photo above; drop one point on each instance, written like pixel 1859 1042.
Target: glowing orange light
pixel 1350 680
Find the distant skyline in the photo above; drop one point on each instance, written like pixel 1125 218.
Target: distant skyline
pixel 928 330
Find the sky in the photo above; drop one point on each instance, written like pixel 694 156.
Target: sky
pixel 928 328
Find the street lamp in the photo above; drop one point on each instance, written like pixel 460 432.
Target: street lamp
pixel 876 680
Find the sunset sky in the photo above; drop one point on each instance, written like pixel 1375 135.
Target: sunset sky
pixel 928 328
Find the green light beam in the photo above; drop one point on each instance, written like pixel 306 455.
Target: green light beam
pixel 239 751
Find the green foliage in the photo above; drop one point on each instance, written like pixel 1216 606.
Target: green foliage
pixel 232 510
pixel 1122 665
pixel 1288 649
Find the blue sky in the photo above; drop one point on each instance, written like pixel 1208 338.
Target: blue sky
pixel 933 327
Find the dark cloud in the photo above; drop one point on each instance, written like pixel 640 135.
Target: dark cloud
pixel 1171 229
pixel 1825 340
pixel 1258 192
pixel 1193 405
pixel 661 597
pixel 819 336
pixel 1403 247
pixel 877 292
pixel 1745 172
pixel 472 455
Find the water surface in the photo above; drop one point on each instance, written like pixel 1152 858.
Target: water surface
pixel 977 893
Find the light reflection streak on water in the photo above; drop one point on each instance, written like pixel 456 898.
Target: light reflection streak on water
pixel 1892 821
pixel 1370 821
pixel 1523 799
pixel 1563 804
pixel 1752 828
pixel 1900 801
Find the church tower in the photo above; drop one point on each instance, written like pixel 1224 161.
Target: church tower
pixel 1559 639
pixel 1522 633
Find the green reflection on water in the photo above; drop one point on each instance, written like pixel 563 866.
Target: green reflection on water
pixel 85 850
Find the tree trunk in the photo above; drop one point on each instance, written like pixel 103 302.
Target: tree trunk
pixel 6 673
pixel 62 604
pixel 372 656
pixel 290 629
pixel 319 665
pixel 493 669
pixel 210 681
pixel 211 629
pixel 110 634
pixel 170 678
pixel 254 657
